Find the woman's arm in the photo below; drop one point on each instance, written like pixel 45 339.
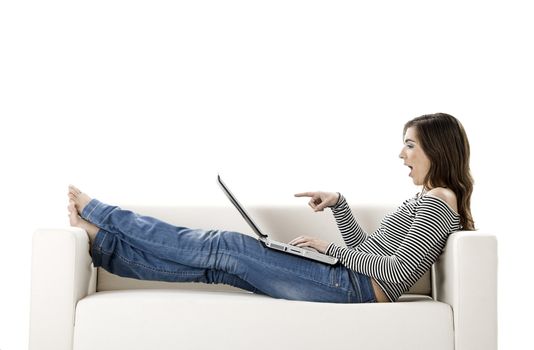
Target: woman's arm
pixel 353 235
pixel 429 231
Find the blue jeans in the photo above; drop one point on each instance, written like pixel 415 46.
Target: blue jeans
pixel 143 247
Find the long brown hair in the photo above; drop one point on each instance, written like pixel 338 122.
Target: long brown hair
pixel 445 143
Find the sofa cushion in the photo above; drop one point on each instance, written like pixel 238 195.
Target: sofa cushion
pixel 196 319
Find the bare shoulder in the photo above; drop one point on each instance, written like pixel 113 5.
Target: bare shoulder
pixel 447 195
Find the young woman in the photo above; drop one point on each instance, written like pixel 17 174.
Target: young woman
pixel 374 268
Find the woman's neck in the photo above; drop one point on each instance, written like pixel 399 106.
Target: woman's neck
pixel 424 191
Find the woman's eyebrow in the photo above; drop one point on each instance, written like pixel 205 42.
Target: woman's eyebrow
pixel 410 140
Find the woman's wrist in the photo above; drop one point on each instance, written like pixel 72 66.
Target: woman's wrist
pixel 329 248
pixel 338 200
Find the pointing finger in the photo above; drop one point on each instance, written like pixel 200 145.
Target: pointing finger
pixel 304 194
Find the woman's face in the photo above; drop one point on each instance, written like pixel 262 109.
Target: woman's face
pixel 414 157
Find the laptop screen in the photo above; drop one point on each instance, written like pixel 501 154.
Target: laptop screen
pixel 241 210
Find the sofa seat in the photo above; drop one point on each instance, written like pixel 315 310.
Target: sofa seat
pixel 195 319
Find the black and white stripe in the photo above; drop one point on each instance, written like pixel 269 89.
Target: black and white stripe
pixel 402 249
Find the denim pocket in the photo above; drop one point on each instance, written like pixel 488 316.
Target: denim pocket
pixel 335 277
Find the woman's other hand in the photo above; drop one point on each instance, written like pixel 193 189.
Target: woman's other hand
pixel 320 200
pixel 305 241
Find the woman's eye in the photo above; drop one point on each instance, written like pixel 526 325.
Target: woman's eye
pixel 409 146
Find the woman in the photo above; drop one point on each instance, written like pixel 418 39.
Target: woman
pixel 375 268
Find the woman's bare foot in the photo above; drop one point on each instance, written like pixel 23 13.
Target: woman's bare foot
pixel 79 198
pixel 77 221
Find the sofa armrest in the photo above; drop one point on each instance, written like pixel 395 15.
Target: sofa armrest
pixel 465 277
pixel 62 273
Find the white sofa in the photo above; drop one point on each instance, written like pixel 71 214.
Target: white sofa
pixel 75 306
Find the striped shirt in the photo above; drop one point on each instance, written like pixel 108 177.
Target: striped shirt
pixel 402 249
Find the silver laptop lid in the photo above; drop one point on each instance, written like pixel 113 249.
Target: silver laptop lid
pixel 241 210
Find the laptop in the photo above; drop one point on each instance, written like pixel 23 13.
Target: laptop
pixel 305 252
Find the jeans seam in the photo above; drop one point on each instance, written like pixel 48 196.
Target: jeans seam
pixel 335 278
pixel 89 214
pixel 130 262
pixel 102 242
pixel 350 296
pixel 356 284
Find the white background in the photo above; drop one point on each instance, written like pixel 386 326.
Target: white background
pixel 143 102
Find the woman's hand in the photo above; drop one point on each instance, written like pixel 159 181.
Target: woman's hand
pixel 305 241
pixel 320 200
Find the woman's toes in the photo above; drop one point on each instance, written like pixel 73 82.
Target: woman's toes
pixel 74 189
pixel 79 198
